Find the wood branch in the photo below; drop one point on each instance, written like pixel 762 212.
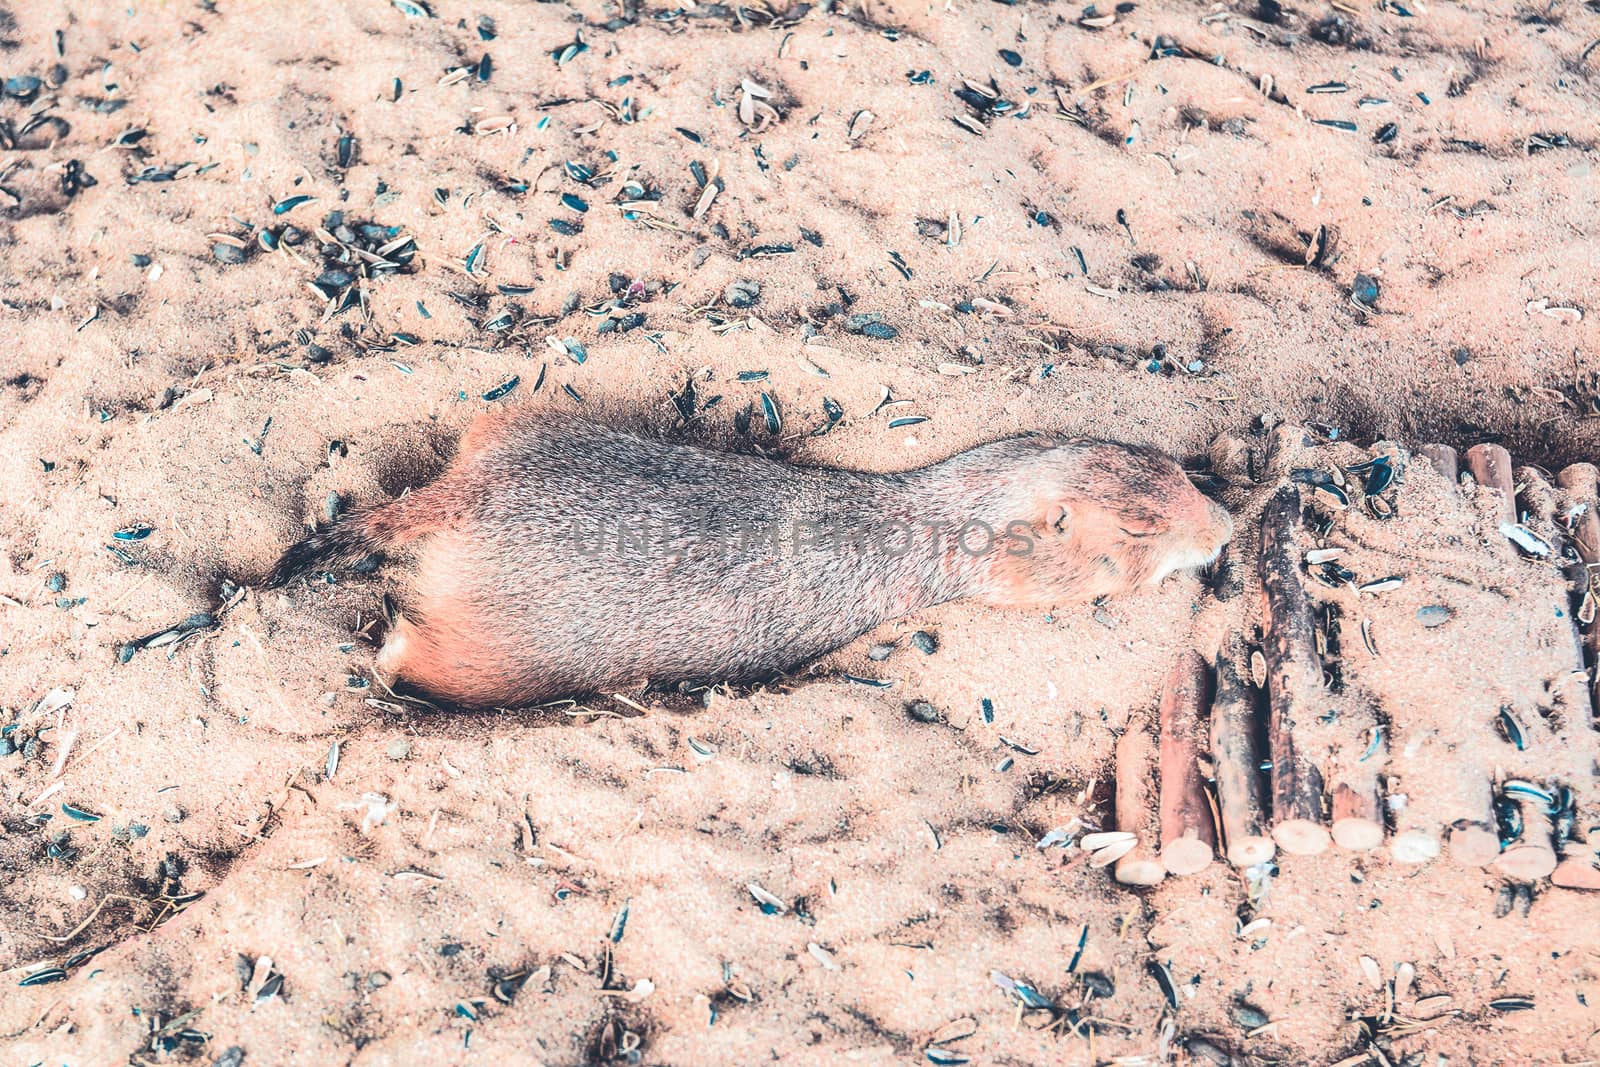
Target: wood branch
pixel 1188 840
pixel 1336 738
pixel 1448 799
pixel 1135 764
pixel 1538 500
pixel 1582 484
pixel 1241 789
pixel 1490 466
pixel 1534 855
pixel 1459 794
pixel 1358 805
pixel 1284 445
pixel 1230 457
pixel 1444 460
pixel 1294 681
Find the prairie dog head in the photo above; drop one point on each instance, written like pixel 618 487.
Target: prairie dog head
pixel 1105 519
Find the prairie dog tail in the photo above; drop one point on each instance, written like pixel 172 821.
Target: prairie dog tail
pixel 367 531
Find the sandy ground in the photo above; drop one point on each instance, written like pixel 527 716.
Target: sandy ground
pixel 290 867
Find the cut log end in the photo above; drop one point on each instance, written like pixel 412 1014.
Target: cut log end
pixel 1576 872
pixel 1491 468
pixel 1528 861
pixel 1473 846
pixel 1301 837
pixel 1414 846
pixel 1444 460
pixel 1357 816
pixel 1250 850
pixel 1137 868
pixel 1358 834
pixel 1187 855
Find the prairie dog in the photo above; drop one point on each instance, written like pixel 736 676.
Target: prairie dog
pixel 562 556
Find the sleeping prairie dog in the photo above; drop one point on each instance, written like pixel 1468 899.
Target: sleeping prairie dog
pixel 562 556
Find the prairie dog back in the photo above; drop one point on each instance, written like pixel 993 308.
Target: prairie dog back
pixel 560 556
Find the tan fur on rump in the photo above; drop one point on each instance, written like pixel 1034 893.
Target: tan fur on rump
pixel 562 556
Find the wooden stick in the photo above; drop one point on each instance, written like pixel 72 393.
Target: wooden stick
pixel 1449 796
pixel 1458 797
pixel 1444 460
pixel 1358 813
pixel 1357 759
pixel 1135 757
pixel 1241 790
pixel 1188 840
pixel 1538 502
pixel 1230 457
pixel 1294 678
pixel 1534 855
pixel 1490 466
pixel 1582 483
pixel 1579 867
pixel 1284 444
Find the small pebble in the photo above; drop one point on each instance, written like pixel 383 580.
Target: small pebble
pixel 227 253
pixel 1099 984
pixel 1200 1049
pixel 879 653
pixel 1433 615
pixel 925 642
pixel 1249 1016
pixel 175 814
pixel 742 294
pixel 1365 289
pixel 398 749
pixel 922 711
